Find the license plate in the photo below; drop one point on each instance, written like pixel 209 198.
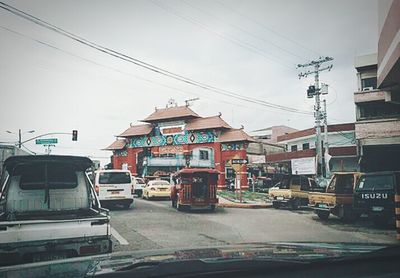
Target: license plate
pixel 377 208
pixel 49 257
pixel 279 198
pixel 322 205
pixel 114 192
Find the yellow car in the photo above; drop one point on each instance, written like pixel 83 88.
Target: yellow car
pixel 157 189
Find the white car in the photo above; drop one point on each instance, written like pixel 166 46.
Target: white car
pixel 114 187
pixel 138 185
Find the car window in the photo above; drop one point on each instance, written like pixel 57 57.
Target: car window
pixel 378 182
pixel 58 176
pixel 114 178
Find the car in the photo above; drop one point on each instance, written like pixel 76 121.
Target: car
pixel 138 185
pixel 114 187
pixel 157 189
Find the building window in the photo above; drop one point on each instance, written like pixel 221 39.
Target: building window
pixel 306 146
pixel 368 83
pixel 203 155
pixel 377 110
pixel 293 148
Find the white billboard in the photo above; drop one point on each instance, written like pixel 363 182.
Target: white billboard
pixel 303 166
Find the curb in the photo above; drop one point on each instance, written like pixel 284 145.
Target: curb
pixel 245 206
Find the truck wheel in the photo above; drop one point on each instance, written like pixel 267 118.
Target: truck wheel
pixel 276 205
pixel 127 205
pixel 295 204
pixel 173 202
pixel 323 214
pixel 212 208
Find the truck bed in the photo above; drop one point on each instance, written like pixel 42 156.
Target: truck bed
pixel 330 199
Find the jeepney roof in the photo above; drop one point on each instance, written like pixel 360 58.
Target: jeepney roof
pixel 197 170
pixel 81 162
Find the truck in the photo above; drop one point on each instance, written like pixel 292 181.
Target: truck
pixel 292 191
pixel 338 197
pixel 49 210
pixel 374 196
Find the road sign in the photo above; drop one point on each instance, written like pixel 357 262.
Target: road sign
pixel 239 161
pixel 47 141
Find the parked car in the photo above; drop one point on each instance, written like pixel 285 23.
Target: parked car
pixel 49 210
pixel 262 184
pixel 114 187
pixel 338 197
pixel 292 191
pixel 374 196
pixel 138 185
pixel 157 189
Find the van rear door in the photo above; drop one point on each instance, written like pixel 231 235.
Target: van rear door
pixel 114 185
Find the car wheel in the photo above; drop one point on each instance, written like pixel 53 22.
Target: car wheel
pixel 323 214
pixel 212 208
pixel 127 205
pixel 276 205
pixel 295 204
pixel 173 203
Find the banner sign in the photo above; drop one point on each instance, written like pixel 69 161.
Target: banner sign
pixel 303 166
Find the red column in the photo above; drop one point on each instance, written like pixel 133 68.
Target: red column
pixel 131 160
pixel 219 165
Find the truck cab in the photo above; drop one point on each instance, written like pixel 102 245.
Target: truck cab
pixel 292 191
pixel 338 197
pixel 374 196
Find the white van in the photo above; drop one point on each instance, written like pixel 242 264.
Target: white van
pixel 114 187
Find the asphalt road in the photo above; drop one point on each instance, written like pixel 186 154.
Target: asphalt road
pixel 155 224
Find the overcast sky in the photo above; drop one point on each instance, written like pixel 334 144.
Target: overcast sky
pixel 248 47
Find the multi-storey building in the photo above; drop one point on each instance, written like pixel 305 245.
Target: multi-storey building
pixel 301 145
pixel 174 137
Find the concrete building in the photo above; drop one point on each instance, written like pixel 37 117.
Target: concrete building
pixel 9 150
pixel 174 137
pixel 301 145
pixel 377 99
pixel 270 134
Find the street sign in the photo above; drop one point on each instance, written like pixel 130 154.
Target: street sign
pixel 239 161
pixel 47 141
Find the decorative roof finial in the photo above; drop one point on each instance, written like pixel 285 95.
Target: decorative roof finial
pixel 219 114
pixel 242 127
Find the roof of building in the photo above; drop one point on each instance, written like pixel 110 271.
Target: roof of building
pixel 274 127
pixel 171 113
pixel 311 131
pixel 207 123
pixel 118 144
pixel 233 135
pixel 137 130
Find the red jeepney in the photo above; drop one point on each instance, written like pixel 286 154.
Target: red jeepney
pixel 195 188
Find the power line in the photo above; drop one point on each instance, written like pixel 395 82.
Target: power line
pixel 243 44
pixel 145 65
pixel 117 70
pixel 268 28
pixel 245 31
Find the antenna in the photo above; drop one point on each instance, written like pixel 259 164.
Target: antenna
pixel 188 101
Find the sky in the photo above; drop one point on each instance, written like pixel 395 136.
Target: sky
pixel 250 48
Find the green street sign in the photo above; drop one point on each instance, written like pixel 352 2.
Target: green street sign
pixel 48 141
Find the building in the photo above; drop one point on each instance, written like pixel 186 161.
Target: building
pixel 270 134
pixel 9 150
pixel 174 137
pixel 300 147
pixel 377 99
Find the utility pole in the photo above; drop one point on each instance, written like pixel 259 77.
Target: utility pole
pixel 326 142
pixel 19 138
pixel 315 91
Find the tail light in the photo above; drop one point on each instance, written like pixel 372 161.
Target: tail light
pixel 97 189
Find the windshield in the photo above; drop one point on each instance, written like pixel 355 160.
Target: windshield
pixel 146 125
pixel 379 182
pixel 114 178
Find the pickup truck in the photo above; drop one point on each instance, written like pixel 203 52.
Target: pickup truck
pixel 338 197
pixel 49 210
pixel 292 191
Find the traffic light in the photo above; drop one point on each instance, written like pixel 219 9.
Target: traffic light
pixel 74 135
pixel 311 91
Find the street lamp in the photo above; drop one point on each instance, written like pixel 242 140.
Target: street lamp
pixel 19 135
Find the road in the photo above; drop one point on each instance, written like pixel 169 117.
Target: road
pixel 155 224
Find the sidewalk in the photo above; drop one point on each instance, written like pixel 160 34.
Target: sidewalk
pixel 231 203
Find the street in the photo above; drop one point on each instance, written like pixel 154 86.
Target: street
pixel 155 224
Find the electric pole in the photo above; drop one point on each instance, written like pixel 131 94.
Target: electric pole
pixel 326 141
pixel 315 91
